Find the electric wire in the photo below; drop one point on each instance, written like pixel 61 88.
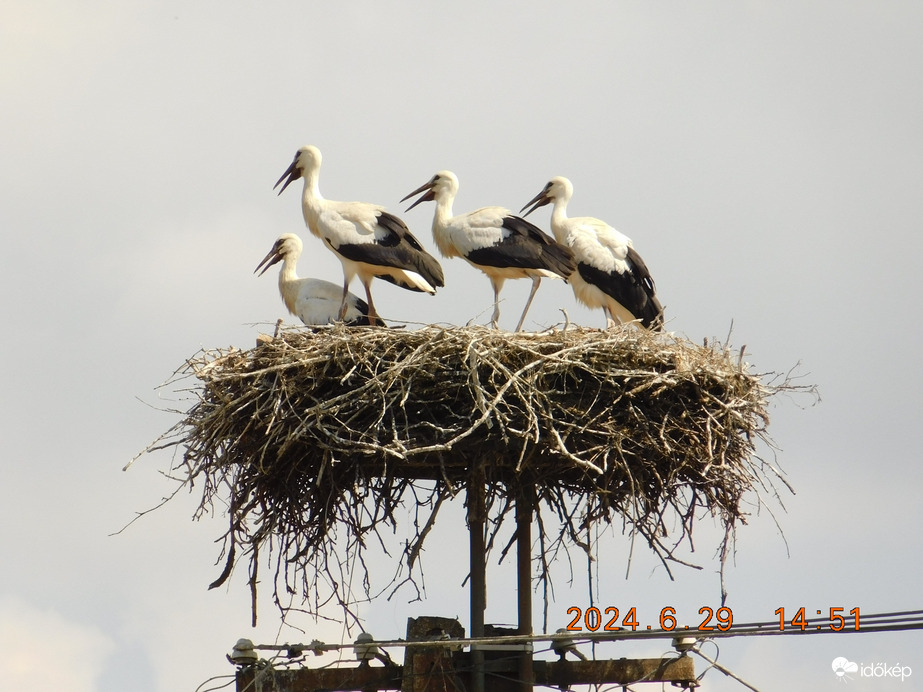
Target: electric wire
pixel 894 621
pixel 202 688
pixel 717 666
pixel 880 622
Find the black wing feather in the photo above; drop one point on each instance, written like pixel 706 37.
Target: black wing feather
pixel 526 247
pixel 396 247
pixel 634 289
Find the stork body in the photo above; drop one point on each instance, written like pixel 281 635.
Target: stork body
pixel 368 241
pixel 610 273
pixel 313 301
pixel 492 239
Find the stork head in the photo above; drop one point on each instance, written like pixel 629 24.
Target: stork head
pixel 306 159
pixel 287 245
pixel 557 189
pixel 443 184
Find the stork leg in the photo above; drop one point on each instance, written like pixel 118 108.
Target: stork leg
pixel 536 280
pixel 610 322
pixel 374 319
pixel 342 313
pixel 497 285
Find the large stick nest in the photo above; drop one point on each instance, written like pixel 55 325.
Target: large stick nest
pixel 312 433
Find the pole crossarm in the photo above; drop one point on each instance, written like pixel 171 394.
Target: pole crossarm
pixel 500 675
pixel 621 671
pixel 356 678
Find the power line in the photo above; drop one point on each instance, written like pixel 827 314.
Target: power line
pixel 684 640
pixel 897 621
pixel 717 666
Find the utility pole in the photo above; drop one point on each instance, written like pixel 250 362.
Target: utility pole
pixel 433 664
pixel 524 583
pixel 477 583
pixel 438 669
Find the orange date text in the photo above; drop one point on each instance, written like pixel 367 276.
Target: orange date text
pixel 610 619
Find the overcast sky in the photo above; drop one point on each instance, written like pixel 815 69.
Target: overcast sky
pixel 766 158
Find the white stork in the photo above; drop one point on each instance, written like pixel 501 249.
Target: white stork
pixel 610 273
pixel 368 240
pixel 492 239
pixel 314 301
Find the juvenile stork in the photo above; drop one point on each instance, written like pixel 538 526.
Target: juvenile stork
pixel 492 239
pixel 610 273
pixel 368 240
pixel 314 301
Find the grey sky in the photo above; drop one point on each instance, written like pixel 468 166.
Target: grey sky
pixel 766 158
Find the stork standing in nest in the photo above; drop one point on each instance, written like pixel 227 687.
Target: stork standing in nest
pixel 610 273
pixel 314 301
pixel 492 239
pixel 368 241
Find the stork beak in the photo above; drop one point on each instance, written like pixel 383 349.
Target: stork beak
pixel 273 255
pixel 540 200
pixel 428 197
pixel 292 173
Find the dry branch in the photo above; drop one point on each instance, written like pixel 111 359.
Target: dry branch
pixel 318 436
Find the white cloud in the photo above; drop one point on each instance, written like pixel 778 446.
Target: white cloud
pixel 43 650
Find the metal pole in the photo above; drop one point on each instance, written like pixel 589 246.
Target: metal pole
pixel 524 584
pixel 478 579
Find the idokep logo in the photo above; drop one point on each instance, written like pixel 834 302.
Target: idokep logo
pixel 845 669
pixel 842 667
